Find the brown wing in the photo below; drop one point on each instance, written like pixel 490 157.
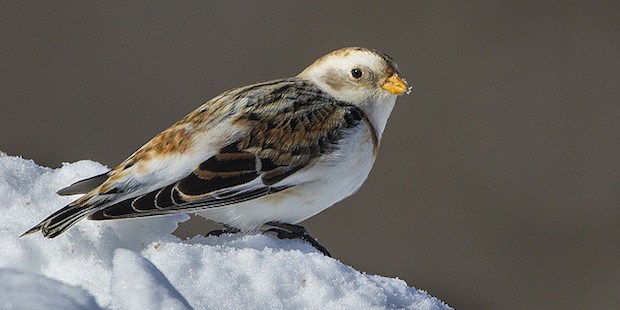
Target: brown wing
pixel 291 124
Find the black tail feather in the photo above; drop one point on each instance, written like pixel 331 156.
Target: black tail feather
pixel 61 220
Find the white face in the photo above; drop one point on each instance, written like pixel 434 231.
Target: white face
pixel 363 77
pixel 354 75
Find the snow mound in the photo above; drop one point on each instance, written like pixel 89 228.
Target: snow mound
pixel 23 290
pixel 139 264
pixel 138 284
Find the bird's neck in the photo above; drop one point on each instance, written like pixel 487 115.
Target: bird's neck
pixel 377 109
pixel 379 112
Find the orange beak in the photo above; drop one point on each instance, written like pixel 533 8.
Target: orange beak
pixel 395 84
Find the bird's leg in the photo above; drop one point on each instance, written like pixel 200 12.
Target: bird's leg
pixel 226 230
pixel 290 231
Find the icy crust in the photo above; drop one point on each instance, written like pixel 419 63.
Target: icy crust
pixel 139 264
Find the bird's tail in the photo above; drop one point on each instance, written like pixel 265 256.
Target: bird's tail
pixel 64 218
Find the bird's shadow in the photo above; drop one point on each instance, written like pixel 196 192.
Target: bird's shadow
pixel 257 241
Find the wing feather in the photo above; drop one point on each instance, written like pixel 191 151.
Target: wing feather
pixel 84 186
pixel 291 123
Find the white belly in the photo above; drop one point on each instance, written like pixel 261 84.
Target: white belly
pixel 330 179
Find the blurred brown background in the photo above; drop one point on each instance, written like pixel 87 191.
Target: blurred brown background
pixel 497 183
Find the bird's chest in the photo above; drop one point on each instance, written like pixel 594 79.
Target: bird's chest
pixel 349 167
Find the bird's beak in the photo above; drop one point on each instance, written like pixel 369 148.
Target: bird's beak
pixel 395 84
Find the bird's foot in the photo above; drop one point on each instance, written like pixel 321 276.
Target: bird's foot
pixel 290 231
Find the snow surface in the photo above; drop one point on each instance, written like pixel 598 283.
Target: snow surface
pixel 139 264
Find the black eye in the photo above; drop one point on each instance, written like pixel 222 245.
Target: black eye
pixel 356 73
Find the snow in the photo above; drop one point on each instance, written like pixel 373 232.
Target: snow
pixel 140 264
pixel 23 290
pixel 145 288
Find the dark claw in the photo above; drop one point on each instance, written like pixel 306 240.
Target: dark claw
pixel 290 231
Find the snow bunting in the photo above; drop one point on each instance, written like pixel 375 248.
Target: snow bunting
pixel 272 153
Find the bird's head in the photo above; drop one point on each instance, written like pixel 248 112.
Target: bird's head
pixel 366 78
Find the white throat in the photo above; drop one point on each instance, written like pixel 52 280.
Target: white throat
pixel 379 112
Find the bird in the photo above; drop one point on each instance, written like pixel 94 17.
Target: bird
pixel 260 157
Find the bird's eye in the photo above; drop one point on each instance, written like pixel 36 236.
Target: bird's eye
pixel 356 73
